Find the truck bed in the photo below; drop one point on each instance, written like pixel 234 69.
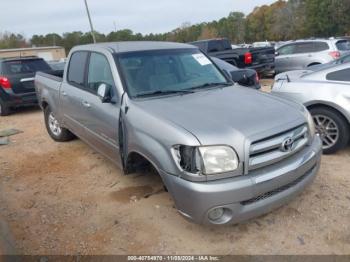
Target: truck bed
pixel 47 87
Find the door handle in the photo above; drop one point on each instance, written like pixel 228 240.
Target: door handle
pixel 64 93
pixel 86 104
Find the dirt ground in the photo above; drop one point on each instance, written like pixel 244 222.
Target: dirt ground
pixel 64 198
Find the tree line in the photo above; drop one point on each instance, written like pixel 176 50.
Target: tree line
pixel 282 20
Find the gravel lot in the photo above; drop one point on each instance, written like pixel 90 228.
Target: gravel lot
pixel 64 198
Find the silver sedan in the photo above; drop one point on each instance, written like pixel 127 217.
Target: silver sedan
pixel 326 93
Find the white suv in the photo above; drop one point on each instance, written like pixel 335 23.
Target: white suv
pixel 304 53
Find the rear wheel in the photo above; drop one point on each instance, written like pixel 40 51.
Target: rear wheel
pixel 332 128
pixel 313 64
pixel 4 110
pixel 57 133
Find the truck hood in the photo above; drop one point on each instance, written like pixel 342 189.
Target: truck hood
pixel 226 115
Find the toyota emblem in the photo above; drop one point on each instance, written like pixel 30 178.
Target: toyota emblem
pixel 287 145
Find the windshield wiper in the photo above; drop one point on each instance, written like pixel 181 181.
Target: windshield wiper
pixel 214 84
pixel 164 92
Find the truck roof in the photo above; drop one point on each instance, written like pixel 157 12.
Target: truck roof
pixel 211 39
pixel 132 46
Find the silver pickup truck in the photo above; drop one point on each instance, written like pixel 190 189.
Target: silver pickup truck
pixel 225 153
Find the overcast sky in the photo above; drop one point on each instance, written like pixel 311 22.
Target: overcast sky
pixel 145 16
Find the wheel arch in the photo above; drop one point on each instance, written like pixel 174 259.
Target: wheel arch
pixel 313 63
pixel 333 107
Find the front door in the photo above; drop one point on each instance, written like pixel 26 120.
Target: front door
pixel 282 60
pixel 101 120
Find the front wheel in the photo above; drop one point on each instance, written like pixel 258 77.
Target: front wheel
pixel 57 133
pixel 332 128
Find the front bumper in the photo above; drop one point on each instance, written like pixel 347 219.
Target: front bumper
pixel 250 195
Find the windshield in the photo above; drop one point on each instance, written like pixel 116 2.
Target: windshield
pixel 168 71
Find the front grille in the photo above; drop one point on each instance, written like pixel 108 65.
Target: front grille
pixel 268 151
pixel 278 190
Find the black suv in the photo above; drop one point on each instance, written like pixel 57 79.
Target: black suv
pixel 17 82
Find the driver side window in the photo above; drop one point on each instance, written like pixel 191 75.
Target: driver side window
pixel 99 72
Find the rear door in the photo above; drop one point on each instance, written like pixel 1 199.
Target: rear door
pixel 72 91
pixel 21 73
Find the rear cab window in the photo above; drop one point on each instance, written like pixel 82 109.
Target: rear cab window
pixel 25 66
pixel 218 45
pixel 76 68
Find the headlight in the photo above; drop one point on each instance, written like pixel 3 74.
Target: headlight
pixel 311 124
pixel 218 159
pixel 208 160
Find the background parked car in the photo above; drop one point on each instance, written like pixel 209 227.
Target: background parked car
pixel 326 94
pixel 304 53
pixel 17 81
pixel 261 59
pixel 342 60
pixel 244 77
pixel 262 44
pixel 57 65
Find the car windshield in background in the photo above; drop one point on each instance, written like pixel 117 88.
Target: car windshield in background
pixel 343 45
pixel 25 66
pixel 168 72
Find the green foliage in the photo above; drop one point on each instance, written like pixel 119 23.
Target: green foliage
pixel 282 20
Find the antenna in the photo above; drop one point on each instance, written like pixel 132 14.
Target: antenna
pixel 91 27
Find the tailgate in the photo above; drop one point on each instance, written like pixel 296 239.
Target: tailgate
pixel 263 55
pixel 22 83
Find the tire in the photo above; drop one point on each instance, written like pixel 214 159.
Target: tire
pixel 56 132
pixel 328 122
pixel 4 110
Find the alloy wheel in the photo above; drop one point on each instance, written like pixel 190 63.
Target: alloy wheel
pixel 328 130
pixel 54 125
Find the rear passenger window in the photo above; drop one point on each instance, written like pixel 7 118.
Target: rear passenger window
pixel 76 70
pixel 305 48
pixel 320 46
pixel 340 75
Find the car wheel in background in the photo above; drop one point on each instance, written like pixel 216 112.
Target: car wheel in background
pixel 332 128
pixel 54 128
pixel 313 64
pixel 4 110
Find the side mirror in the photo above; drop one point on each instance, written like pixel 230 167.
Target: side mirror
pixel 104 93
pixel 277 53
